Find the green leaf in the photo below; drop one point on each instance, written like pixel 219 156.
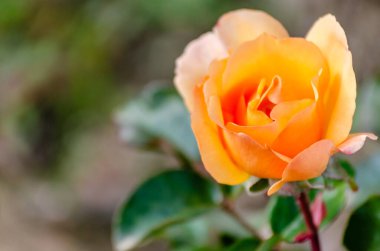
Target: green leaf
pixel 268 245
pixel 348 172
pixel 247 244
pixel 283 212
pixel 362 232
pixel 347 167
pixel 259 186
pixel 161 201
pixel 158 113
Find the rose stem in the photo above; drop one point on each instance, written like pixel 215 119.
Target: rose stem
pixel 229 209
pixel 305 209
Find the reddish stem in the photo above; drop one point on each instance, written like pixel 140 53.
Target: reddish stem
pixel 305 209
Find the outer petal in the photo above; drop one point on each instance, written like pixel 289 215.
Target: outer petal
pixel 355 142
pixel 340 94
pixel 214 156
pixel 253 158
pixel 239 26
pixel 309 164
pixel 193 64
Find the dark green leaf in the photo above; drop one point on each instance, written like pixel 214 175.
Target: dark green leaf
pixel 259 186
pixel 347 167
pixel 363 231
pixel 248 244
pixel 161 201
pixel 283 212
pixel 158 113
pixel 348 173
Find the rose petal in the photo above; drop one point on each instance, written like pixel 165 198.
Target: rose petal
pixel 299 133
pixel 281 114
pixel 193 64
pixel 295 60
pixel 211 91
pixel 355 142
pixel 308 164
pixel 214 156
pixel 340 93
pixel 253 158
pixel 239 26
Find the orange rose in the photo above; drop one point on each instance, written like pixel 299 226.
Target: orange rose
pixel 268 105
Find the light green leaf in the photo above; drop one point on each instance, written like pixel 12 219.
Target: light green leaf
pixel 362 232
pixel 158 113
pixel 268 245
pixel 162 201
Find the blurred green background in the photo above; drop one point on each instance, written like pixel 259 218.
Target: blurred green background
pixel 66 66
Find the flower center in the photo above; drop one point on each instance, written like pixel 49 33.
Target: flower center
pixel 254 107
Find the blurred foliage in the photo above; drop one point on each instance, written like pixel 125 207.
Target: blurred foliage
pixel 65 64
pixel 245 245
pixel 368 103
pixel 363 227
pixel 166 199
pixel 158 114
pixel 286 220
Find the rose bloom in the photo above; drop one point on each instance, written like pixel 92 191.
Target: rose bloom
pixel 268 105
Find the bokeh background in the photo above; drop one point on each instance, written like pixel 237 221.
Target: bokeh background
pixel 66 67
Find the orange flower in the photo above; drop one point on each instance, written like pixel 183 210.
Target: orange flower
pixel 268 105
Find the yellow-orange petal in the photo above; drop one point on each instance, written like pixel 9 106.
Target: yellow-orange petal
pixel 242 25
pixel 281 114
pixel 309 164
pixel 300 132
pixel 355 142
pixel 211 91
pixel 214 156
pixel 193 64
pixel 340 93
pixel 252 157
pixel 294 60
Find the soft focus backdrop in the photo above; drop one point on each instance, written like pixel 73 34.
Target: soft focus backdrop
pixel 66 66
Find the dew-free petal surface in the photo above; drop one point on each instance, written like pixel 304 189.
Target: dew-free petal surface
pixel 242 25
pixel 253 158
pixel 340 93
pixel 193 64
pixel 355 142
pixel 214 156
pixel 308 164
